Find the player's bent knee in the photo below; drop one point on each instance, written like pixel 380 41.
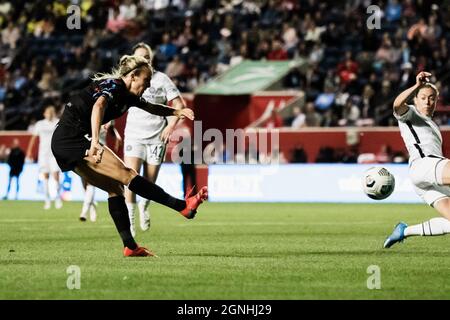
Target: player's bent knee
pixel 127 174
pixel 443 207
pixel 116 190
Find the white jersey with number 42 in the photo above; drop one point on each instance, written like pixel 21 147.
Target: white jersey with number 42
pixel 146 127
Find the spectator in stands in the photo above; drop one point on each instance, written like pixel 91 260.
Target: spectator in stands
pixel 368 102
pixel 312 117
pixel 348 69
pixel 410 31
pixel 277 51
pixel 10 35
pixel 393 11
pixel 298 118
pixel 175 68
pixel 116 22
pixel 350 114
pixel 167 49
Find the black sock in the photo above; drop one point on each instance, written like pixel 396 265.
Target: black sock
pixel 119 213
pixel 151 191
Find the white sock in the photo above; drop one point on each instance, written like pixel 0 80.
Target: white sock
pixel 46 190
pixel 89 194
pixel 56 186
pixel 88 199
pixel 432 227
pixel 130 207
pixel 144 203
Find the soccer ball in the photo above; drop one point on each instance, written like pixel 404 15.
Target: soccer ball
pixel 378 183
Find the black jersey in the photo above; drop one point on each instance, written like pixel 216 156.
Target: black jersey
pixel 78 110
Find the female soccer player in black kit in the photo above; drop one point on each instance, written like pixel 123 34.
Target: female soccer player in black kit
pixel 75 143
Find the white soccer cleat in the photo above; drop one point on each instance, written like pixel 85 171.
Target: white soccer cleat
pixel 58 203
pixel 93 212
pixel 144 216
pixel 47 205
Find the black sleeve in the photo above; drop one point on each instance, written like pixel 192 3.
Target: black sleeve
pixel 111 89
pixel 154 108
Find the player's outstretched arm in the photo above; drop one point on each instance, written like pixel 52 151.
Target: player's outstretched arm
pixel 400 106
pixel 165 111
pixel 30 147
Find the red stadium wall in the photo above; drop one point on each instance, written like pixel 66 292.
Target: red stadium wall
pixel 232 112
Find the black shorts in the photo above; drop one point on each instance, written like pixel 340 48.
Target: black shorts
pixel 69 145
pixel 15 172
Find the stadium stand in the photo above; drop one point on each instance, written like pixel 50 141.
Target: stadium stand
pixel 350 78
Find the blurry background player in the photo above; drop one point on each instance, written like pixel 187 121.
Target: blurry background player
pixel 429 170
pixel 89 203
pixel 146 134
pixel 16 160
pixel 47 164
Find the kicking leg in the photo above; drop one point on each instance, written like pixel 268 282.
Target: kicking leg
pixel 433 227
pixel 116 205
pixel 114 168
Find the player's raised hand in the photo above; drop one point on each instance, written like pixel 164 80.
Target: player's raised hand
pixel 423 77
pixel 184 113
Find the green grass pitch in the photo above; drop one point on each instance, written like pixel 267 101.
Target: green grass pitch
pixel 229 251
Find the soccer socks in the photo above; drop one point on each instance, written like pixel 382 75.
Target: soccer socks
pixel 432 227
pixel 144 204
pixel 151 191
pixel 130 207
pixel 56 189
pixel 119 213
pixel 46 190
pixel 88 199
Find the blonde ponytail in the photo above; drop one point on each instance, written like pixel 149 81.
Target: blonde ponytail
pixel 126 65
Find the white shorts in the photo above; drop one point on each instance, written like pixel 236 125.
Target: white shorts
pixel 426 176
pixel 150 153
pixel 47 164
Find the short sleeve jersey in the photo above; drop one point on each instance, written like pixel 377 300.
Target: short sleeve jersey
pixel 421 135
pixel 78 111
pixel 44 130
pixel 144 126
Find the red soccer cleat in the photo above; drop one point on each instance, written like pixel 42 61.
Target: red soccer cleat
pixel 192 203
pixel 138 252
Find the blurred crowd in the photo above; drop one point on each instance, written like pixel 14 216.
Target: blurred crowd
pixel 350 76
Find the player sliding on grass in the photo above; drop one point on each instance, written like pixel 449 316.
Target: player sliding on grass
pixel 75 143
pixel 429 170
